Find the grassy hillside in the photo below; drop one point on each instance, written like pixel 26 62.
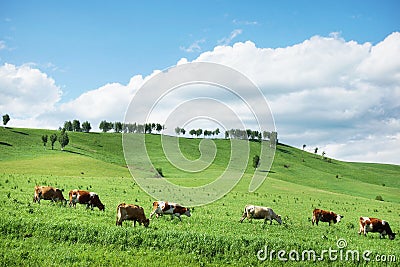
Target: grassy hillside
pixel 52 235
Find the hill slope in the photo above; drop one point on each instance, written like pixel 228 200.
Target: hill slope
pixel 290 164
pixel 211 236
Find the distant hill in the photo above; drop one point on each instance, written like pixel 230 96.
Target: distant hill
pixel 290 164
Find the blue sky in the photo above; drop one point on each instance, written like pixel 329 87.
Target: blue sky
pixel 57 56
pixel 85 44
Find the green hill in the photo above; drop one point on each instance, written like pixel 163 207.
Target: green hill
pixel 298 182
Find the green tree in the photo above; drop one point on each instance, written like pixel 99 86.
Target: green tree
pixel 226 134
pixel 178 131
pixel 64 139
pixel 76 126
pixel 105 126
pixel 117 126
pixel 86 127
pixel 53 139
pixel 68 126
pixel 159 127
pixel 199 132
pixel 44 140
pixel 147 128
pixel 256 161
pixel 183 131
pixel 192 132
pixel 217 131
pixel 6 119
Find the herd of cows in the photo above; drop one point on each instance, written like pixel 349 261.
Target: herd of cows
pixel 135 213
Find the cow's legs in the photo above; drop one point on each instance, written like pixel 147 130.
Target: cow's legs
pixel 243 217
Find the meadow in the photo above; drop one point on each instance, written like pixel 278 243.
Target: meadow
pixel 50 234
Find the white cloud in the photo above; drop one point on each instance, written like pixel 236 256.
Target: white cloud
pixel 228 40
pixel 2 45
pixel 244 22
pixel 326 92
pixel 194 47
pixel 26 92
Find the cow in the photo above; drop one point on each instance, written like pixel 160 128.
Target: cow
pixel 164 207
pixel 375 225
pixel 131 212
pixel 91 199
pixel 325 216
pixel 258 212
pixel 48 193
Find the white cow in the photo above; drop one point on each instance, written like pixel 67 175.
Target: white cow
pixel 258 212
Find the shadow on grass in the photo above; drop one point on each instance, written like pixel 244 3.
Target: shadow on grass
pixel 73 152
pixel 18 132
pixel 5 144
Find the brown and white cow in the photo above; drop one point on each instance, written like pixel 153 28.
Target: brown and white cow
pixel 48 193
pixel 164 207
pixel 325 216
pixel 131 212
pixel 375 225
pixel 91 199
pixel 258 212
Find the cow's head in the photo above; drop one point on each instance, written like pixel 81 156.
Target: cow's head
pixel 187 212
pixel 392 236
pixel 146 222
pixel 338 218
pixel 278 219
pixel 101 206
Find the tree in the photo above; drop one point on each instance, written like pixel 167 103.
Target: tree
pixel 68 126
pixel 44 140
pixel 192 132
pixel 273 139
pixel 183 131
pixel 316 150
pixel 226 134
pixel 217 131
pixel 86 127
pixel 304 146
pixel 53 139
pixel 105 126
pixel 199 132
pixel 256 161
pixel 159 127
pixel 178 131
pixel 76 126
pixel 6 119
pixel 147 128
pixel 64 139
pixel 117 127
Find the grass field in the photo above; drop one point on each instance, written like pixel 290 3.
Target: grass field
pixel 53 235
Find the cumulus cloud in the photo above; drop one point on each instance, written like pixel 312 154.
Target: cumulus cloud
pixel 26 92
pixel 326 92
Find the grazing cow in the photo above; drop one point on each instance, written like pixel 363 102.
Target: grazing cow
pixel 258 212
pixel 131 212
pixel 161 207
pixel 325 216
pixel 48 193
pixel 91 199
pixel 375 225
